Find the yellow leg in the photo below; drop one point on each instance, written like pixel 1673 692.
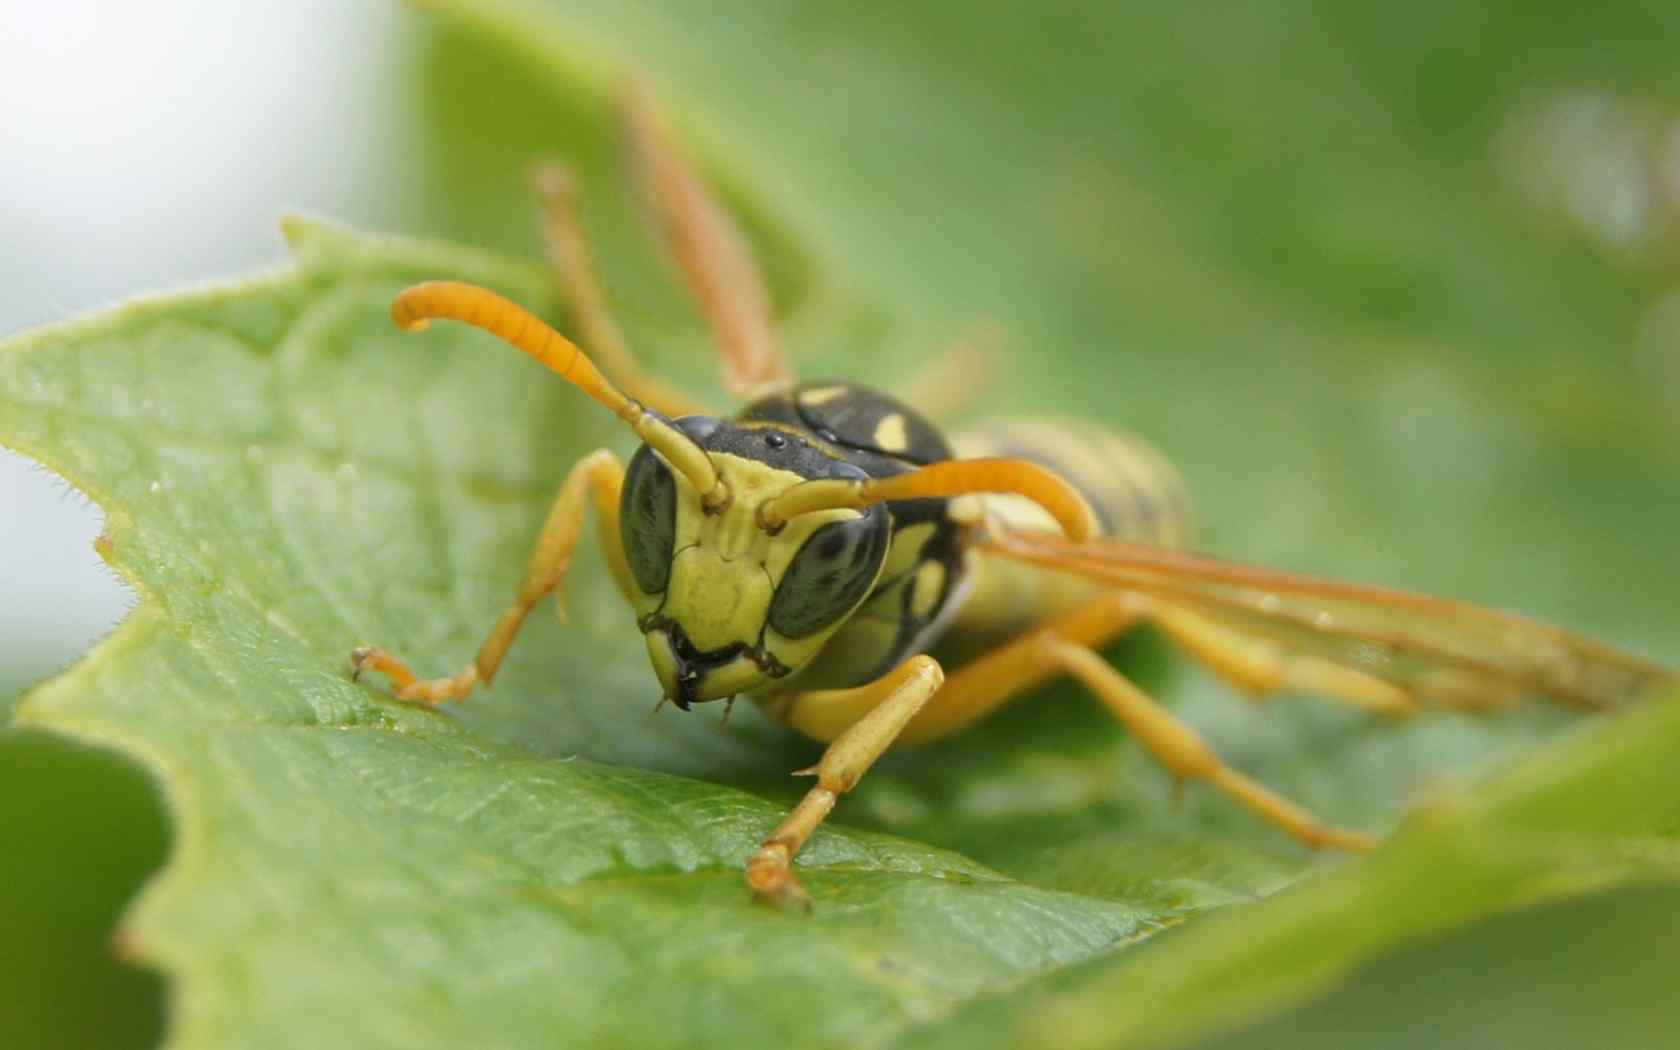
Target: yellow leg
pixel 988 682
pixel 953 378
pixel 891 701
pixel 711 254
pixel 598 475
pixel 1261 668
pixel 568 252
pixel 1183 751
pixel 1067 645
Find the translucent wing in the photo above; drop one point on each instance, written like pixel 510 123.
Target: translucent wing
pixel 1447 652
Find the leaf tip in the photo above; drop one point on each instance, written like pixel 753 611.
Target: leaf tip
pixel 304 234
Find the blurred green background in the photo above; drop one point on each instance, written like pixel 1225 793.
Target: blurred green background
pixel 1427 205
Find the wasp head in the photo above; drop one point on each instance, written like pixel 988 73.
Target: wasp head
pixel 727 604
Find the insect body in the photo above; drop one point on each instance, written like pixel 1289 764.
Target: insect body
pixel 850 593
pixel 807 550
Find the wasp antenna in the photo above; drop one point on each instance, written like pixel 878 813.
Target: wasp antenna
pixel 952 477
pixel 416 306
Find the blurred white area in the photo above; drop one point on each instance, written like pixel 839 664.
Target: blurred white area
pixel 56 596
pixel 144 146
pixel 1608 163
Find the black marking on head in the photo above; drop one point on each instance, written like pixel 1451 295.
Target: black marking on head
pixel 855 418
pixel 693 664
pixel 698 428
pixel 774 446
pixel 850 416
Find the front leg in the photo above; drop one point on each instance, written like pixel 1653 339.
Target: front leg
pixel 892 701
pixel 598 475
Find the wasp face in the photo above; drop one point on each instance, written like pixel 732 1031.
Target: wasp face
pixel 726 607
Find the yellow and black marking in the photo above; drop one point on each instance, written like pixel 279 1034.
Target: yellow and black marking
pixel 926 565
pixel 727 607
pixel 807 551
pixel 876 431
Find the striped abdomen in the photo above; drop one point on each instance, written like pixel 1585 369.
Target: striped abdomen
pixel 1134 490
pixel 1136 493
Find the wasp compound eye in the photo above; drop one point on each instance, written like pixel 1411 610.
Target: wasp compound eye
pixel 647 520
pixel 830 574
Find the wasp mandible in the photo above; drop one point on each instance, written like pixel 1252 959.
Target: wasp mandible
pixel 808 550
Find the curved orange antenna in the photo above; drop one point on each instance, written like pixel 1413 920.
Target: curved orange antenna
pixel 415 307
pixel 952 477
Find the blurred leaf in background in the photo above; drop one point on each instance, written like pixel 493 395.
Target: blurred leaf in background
pixel 1349 268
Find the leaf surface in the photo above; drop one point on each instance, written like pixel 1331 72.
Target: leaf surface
pixel 285 475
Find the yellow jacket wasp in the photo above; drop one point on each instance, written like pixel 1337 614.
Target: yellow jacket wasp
pixel 809 549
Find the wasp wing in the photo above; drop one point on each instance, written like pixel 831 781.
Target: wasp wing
pixel 1442 651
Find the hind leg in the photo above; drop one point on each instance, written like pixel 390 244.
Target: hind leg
pixel 1260 668
pixel 710 253
pixel 1068 645
pixel 574 264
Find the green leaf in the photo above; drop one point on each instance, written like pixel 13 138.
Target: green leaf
pixel 1383 377
pixel 1572 820
pixel 330 483
pixel 81 831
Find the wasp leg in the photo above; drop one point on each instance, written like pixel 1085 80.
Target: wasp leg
pixel 888 703
pixel 598 475
pixel 710 253
pixel 574 263
pixel 1067 645
pixel 986 683
pixel 1183 751
pixel 1260 668
pixel 953 379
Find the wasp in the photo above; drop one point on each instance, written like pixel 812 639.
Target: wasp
pixel 809 549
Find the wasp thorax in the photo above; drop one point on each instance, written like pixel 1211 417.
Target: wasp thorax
pixel 726 606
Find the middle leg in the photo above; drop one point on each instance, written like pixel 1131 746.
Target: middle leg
pixel 1068 645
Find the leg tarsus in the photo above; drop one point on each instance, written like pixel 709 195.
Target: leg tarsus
pixel 407 686
pixel 1303 826
pixel 899 695
pixel 359 659
pixel 770 876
